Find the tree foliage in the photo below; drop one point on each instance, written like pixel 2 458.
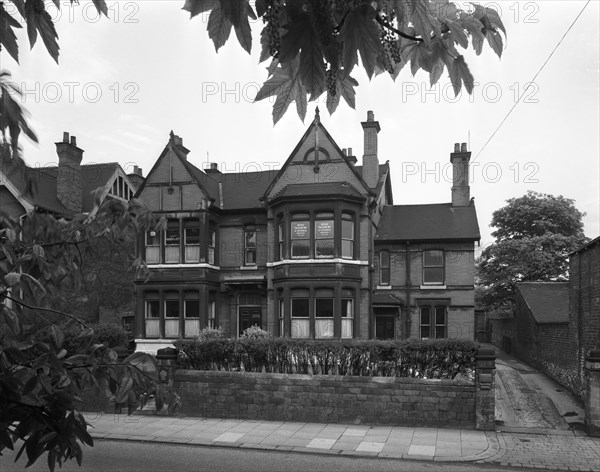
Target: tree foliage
pixel 534 235
pixel 314 45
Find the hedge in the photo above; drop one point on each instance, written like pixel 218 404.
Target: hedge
pixel 432 359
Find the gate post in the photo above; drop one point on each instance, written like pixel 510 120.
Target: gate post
pixel 592 393
pixel 485 399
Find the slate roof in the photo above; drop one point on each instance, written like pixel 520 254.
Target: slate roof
pixel 548 301
pixel 431 222
pixel 43 185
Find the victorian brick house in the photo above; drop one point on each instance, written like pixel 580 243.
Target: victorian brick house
pixel 316 250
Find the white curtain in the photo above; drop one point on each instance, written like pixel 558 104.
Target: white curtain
pixel 172 328
pixel 192 254
pixel 152 328
pixel 300 327
pixel 347 328
pixel 323 328
pixel 192 327
pixel 171 254
pixel 152 254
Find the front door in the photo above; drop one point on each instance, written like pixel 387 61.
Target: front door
pixel 250 316
pixel 384 326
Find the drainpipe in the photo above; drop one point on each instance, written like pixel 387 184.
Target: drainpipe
pixel 407 289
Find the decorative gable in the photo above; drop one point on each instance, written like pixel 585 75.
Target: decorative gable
pixel 316 159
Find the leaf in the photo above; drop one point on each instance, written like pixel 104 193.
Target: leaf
pixel 8 39
pixel 458 33
pixel 494 39
pixel 286 86
pixel 219 27
pixel 460 73
pixel 39 20
pixel 101 7
pixel 344 88
pixel 436 72
pixel 12 278
pixel 360 33
pixel 474 27
pixel 424 22
pixel 195 7
pixel 237 12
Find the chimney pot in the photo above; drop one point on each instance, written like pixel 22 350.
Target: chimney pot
pixel 463 147
pixel 214 166
pixel 73 141
pixel 349 151
pixel 370 116
pixel 344 152
pixel 65 137
pixel 456 147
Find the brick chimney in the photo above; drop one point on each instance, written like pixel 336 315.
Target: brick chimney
pixel 69 185
pixel 136 177
pixel 370 171
pixel 461 191
pixel 175 140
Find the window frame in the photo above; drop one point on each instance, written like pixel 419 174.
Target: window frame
pixel 296 219
pixel 433 326
pixel 147 245
pixel 327 217
pixel 211 244
pixel 428 267
pixel 385 281
pixel 250 249
pixel 347 218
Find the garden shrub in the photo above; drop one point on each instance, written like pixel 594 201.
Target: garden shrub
pixel 439 359
pixel 110 334
pixel 255 332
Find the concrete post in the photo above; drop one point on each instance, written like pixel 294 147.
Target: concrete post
pixel 485 400
pixel 592 393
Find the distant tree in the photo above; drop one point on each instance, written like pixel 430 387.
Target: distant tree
pixel 534 235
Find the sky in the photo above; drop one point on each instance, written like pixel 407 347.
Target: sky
pixel 124 82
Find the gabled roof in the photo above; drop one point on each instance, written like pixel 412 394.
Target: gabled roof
pixel 317 126
pixel 548 301
pixel 587 246
pixel 245 189
pixel 428 223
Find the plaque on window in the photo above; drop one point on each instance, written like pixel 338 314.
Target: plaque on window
pixel 324 229
pixel 300 230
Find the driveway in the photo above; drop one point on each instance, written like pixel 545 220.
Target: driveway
pixel 530 401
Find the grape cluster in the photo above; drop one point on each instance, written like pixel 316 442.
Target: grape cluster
pixel 331 82
pixel 271 18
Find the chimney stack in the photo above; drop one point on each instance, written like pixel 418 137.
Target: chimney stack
pixel 69 185
pixel 136 177
pixel 213 169
pixel 461 191
pixel 370 171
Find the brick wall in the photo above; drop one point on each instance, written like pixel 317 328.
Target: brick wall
pixel 332 399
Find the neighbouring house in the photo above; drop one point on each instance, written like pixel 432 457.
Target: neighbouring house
pixel 315 250
pixel 584 304
pixel 556 323
pixel 64 191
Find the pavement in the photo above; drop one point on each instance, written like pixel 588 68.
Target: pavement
pixel 564 450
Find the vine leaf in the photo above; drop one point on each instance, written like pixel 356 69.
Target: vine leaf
pixel 8 39
pixel 344 87
pixel 39 20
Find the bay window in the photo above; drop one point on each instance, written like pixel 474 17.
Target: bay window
pixel 324 318
pixel 191 236
pixel 212 243
pixel 172 242
pixel 152 315
pixel 281 240
pixel 300 317
pixel 152 247
pixel 324 235
pixel 300 236
pixel 433 267
pixel 171 315
pixel 191 314
pixel 347 236
pixel 347 318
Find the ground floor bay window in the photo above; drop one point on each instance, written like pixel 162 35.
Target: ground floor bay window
pixel 317 313
pixel 175 314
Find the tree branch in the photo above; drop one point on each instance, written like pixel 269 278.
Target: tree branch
pixel 386 24
pixel 50 310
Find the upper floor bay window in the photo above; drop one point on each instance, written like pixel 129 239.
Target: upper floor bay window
pixel 324 235
pixel 191 233
pixel 433 267
pixel 347 236
pixel 249 246
pixel 180 242
pixel 300 236
pixel 172 242
pixel 152 247
pixel 318 235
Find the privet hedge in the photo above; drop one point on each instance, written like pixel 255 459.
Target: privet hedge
pixel 429 359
